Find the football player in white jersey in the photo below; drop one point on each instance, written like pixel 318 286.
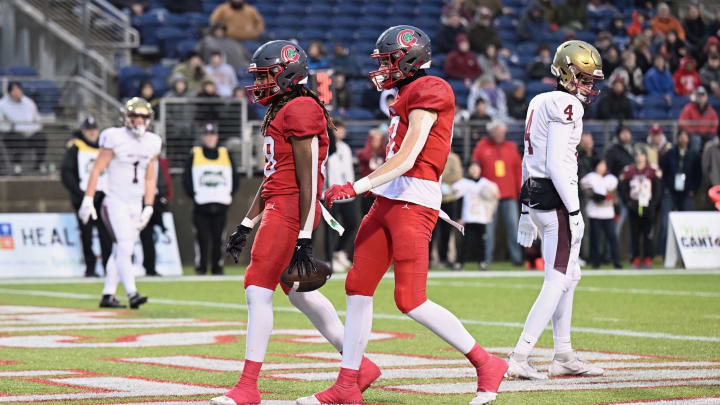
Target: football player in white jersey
pixel 129 153
pixel 551 206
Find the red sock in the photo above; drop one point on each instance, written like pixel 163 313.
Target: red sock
pixel 347 377
pixel 250 373
pixel 477 356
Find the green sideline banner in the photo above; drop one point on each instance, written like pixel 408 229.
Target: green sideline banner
pixel 48 245
pixel 696 236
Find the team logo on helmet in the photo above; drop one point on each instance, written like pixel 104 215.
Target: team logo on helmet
pixel 406 38
pixel 289 54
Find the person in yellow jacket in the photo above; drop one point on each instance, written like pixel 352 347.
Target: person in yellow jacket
pixel 210 179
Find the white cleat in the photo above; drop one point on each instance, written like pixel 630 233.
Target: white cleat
pixel 223 400
pixel 570 364
pixel 483 397
pixel 522 368
pixel 311 400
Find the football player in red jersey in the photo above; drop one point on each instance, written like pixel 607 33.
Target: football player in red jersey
pixel 398 227
pixel 296 145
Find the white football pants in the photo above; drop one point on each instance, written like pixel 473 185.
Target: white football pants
pixel 121 220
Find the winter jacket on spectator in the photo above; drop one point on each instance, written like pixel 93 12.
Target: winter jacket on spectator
pixel 675 162
pixel 235 54
pixel 500 164
pixel 710 75
pixel 224 77
pixel 695 30
pixel 194 76
pixel 571 14
pixel 342 60
pixel 444 40
pixel 453 172
pixel 686 78
pixel 631 186
pixel 539 69
pixel 692 112
pixel 615 104
pixel 481 35
pixel 711 161
pixel 663 25
pixel 243 24
pixel 494 98
pixel 369 158
pixel 633 77
pixel 517 103
pixel 532 24
pixel 658 82
pixel 636 26
pixel 494 66
pixel 462 63
pixel 617 157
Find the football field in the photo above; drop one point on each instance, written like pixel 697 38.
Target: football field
pixel 656 333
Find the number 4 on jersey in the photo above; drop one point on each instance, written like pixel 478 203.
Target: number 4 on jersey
pixel 527 132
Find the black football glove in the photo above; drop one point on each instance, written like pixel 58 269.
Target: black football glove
pixel 302 259
pixel 236 241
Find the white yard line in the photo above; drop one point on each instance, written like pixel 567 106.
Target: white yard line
pixel 398 317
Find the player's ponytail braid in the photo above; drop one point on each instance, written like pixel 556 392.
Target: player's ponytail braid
pixel 297 91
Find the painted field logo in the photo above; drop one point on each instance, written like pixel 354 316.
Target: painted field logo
pixel 406 38
pixel 289 54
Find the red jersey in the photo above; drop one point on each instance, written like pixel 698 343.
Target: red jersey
pixel 427 93
pixel 300 117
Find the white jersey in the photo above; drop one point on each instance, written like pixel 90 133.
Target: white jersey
pixel 552 132
pixel 126 171
pixel 602 185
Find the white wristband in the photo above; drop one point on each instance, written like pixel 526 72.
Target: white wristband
pixel 250 223
pixel 362 186
pixel 305 235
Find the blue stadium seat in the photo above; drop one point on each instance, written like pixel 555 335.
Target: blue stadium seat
pixel 406 9
pixel 377 9
pixel 252 46
pixel 427 24
pixel 715 102
pixel 316 21
pixel 321 9
pixel 436 70
pixel 517 73
pixel 506 22
pixel 168 40
pixel 209 6
pixel 679 101
pixel 675 111
pixel 654 101
pixel 21 70
pixel 586 36
pixel 527 48
pixel 438 59
pixel 45 93
pixel 345 22
pixel 429 9
pixel 653 113
pixel 292 9
pixel 366 34
pixel 288 21
pixel 129 79
pixel 160 71
pixel 507 36
pixel 283 33
pixel 159 85
pixel 312 34
pixel 184 48
pixel 537 87
pixel 356 113
pixel 198 20
pixel 148 23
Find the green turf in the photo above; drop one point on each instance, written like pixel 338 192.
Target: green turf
pixel 667 304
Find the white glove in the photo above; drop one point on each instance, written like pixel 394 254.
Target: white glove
pixel 145 217
pixel 527 231
pixel 577 227
pixel 87 210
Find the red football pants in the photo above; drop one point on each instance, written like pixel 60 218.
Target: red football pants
pixel 398 232
pixel 275 241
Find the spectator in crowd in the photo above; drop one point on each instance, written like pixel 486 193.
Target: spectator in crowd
pixel 694 26
pixel 599 188
pixel 672 49
pixel 20 122
pixel 316 56
pixel 483 33
pixel 618 28
pixel 501 163
pixel 222 74
pixel 686 78
pixel 539 68
pixel 344 61
pixel 611 60
pixel 481 111
pixel 147 91
pixel 603 41
pixel 216 40
pixel 657 145
pixel 532 24
pixel 714 25
pixel 630 73
pixel 664 22
pixel 617 157
pixel 636 26
pixel 658 80
pixel 492 64
pixel 207 110
pixel 462 63
pixel 485 88
pixel 615 104
pixel 134 7
pixel 681 176
pixel 210 180
pixel 571 15
pixel 517 103
pixel 341 95
pixel 453 172
pixel 465 10
pixel 183 6
pixel 164 193
pixel 643 55
pixel 640 189
pixel 340 170
pixel 710 74
pixel 369 158
pixel 178 86
pixel 586 157
pixel 548 10
pixel 243 21
pixel 699 119
pixel 193 71
pixel 712 45
pixel 479 203
pixel 445 40
pixel 711 161
pixel 74 174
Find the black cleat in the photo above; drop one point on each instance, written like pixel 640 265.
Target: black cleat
pixel 136 300
pixel 109 301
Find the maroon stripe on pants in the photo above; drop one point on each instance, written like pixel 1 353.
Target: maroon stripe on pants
pixel 562 252
pixel 106 219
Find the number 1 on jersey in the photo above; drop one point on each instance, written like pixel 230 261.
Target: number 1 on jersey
pixel 527 132
pixel 135 166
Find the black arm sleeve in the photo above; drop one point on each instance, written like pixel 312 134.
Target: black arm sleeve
pixel 235 176
pixel 70 175
pixel 187 177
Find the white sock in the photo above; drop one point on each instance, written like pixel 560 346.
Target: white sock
pixel 561 320
pixel 444 324
pixel 111 274
pixel 123 261
pixel 539 316
pixel 358 324
pixel 321 312
pixel 260 322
